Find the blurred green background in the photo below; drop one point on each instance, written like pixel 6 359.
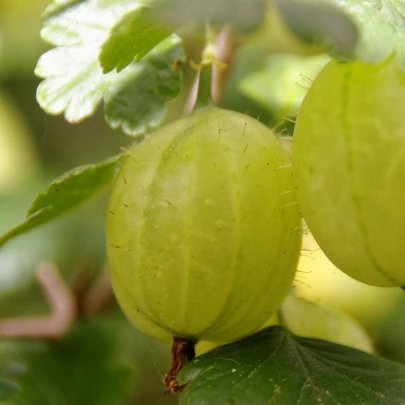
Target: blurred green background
pixel 104 360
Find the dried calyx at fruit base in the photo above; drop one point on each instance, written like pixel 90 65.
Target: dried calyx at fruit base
pixel 203 230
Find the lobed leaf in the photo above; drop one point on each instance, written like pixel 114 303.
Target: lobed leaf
pixel 131 39
pixel 278 368
pixel 74 80
pixel 65 193
pixel 137 101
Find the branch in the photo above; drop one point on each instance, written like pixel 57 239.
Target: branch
pixel 63 309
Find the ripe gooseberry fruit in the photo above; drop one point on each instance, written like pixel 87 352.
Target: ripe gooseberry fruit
pixel 203 229
pixel 349 163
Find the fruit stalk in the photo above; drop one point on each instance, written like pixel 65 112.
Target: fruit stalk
pixel 183 351
pixel 204 98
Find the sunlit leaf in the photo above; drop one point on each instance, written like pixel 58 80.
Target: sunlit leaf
pixel 74 80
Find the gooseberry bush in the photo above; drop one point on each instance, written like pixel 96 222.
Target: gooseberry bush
pixel 209 202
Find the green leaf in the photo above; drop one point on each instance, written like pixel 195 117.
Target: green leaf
pixel 57 6
pixel 8 386
pixel 66 193
pixel 380 25
pixel 241 14
pixel 275 367
pixel 83 368
pixel 137 101
pixel 321 23
pixel 74 81
pixel 131 38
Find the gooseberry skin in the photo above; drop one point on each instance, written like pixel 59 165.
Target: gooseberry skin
pixel 203 229
pixel 349 163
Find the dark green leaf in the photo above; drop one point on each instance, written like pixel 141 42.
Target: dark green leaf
pixel 74 81
pixel 65 193
pixel 131 38
pixel 275 367
pixel 136 103
pixel 242 14
pixel 8 386
pixel 83 368
pixel 321 23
